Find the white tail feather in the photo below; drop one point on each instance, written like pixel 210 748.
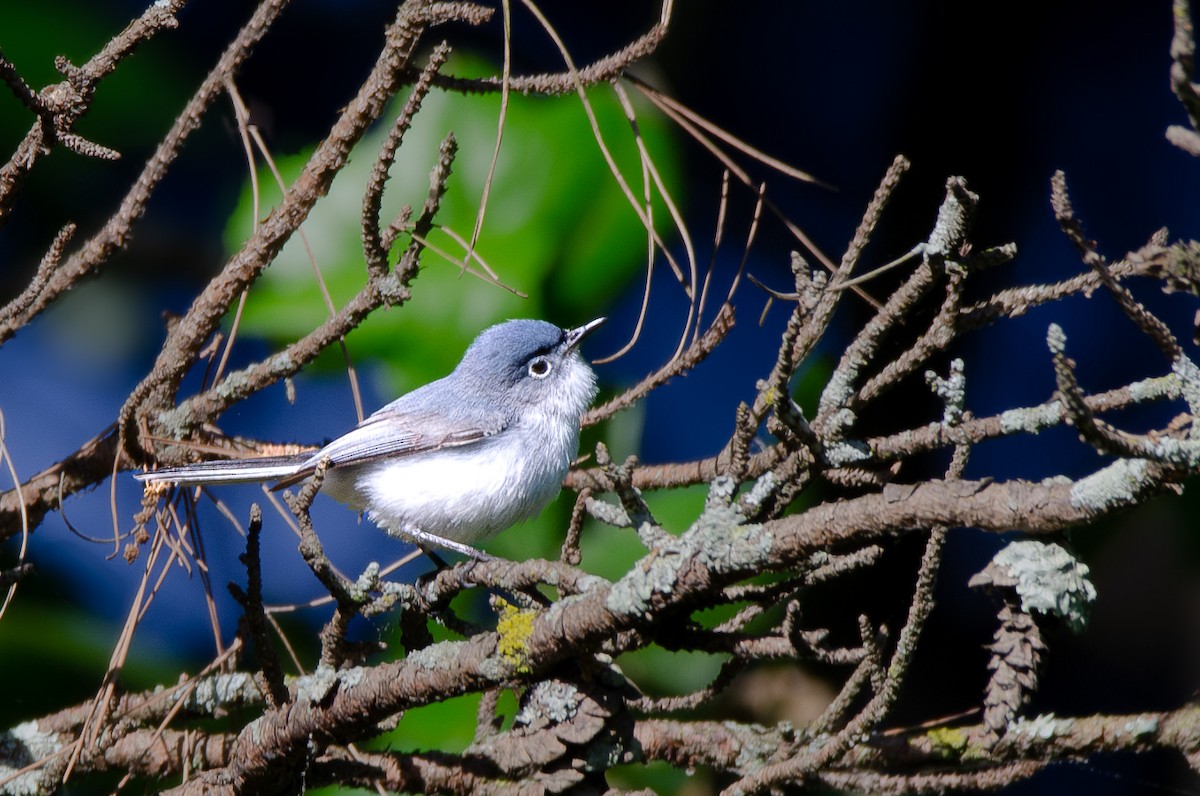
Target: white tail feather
pixel 227 471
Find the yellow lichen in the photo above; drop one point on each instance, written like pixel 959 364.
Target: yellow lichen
pixel 947 741
pixel 514 628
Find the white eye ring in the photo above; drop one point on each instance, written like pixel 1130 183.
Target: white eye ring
pixel 539 368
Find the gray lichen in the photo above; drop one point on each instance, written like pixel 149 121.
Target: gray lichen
pixel 221 692
pixel 953 220
pixel 1115 485
pixel 1156 388
pixel 1032 419
pixel 608 513
pixel 1045 727
pixel 551 699
pixel 842 454
pixel 837 393
pixel 1189 378
pixel 366 583
pixel 952 391
pixel 1056 339
pixel 317 686
pixel 1047 578
pixel 761 490
pixel 19 747
pixel 719 540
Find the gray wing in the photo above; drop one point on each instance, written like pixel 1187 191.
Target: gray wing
pixel 398 429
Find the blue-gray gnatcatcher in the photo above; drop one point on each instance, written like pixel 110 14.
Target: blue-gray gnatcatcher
pixel 459 459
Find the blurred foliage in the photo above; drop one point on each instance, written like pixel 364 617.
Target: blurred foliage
pixel 658 776
pixel 557 229
pixel 57 656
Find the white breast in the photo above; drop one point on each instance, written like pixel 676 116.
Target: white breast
pixel 464 494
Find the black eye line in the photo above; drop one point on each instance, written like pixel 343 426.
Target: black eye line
pixel 541 352
pixel 544 351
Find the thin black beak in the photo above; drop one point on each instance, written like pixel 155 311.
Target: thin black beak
pixel 573 337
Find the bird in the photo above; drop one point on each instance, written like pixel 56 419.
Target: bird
pixel 458 460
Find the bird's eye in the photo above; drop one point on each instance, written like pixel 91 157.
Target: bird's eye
pixel 539 368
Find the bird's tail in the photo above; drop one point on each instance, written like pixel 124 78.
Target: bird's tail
pixel 227 471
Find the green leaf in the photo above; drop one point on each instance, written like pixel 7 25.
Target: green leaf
pixel 557 227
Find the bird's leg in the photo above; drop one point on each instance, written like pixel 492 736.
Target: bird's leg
pixel 426 540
